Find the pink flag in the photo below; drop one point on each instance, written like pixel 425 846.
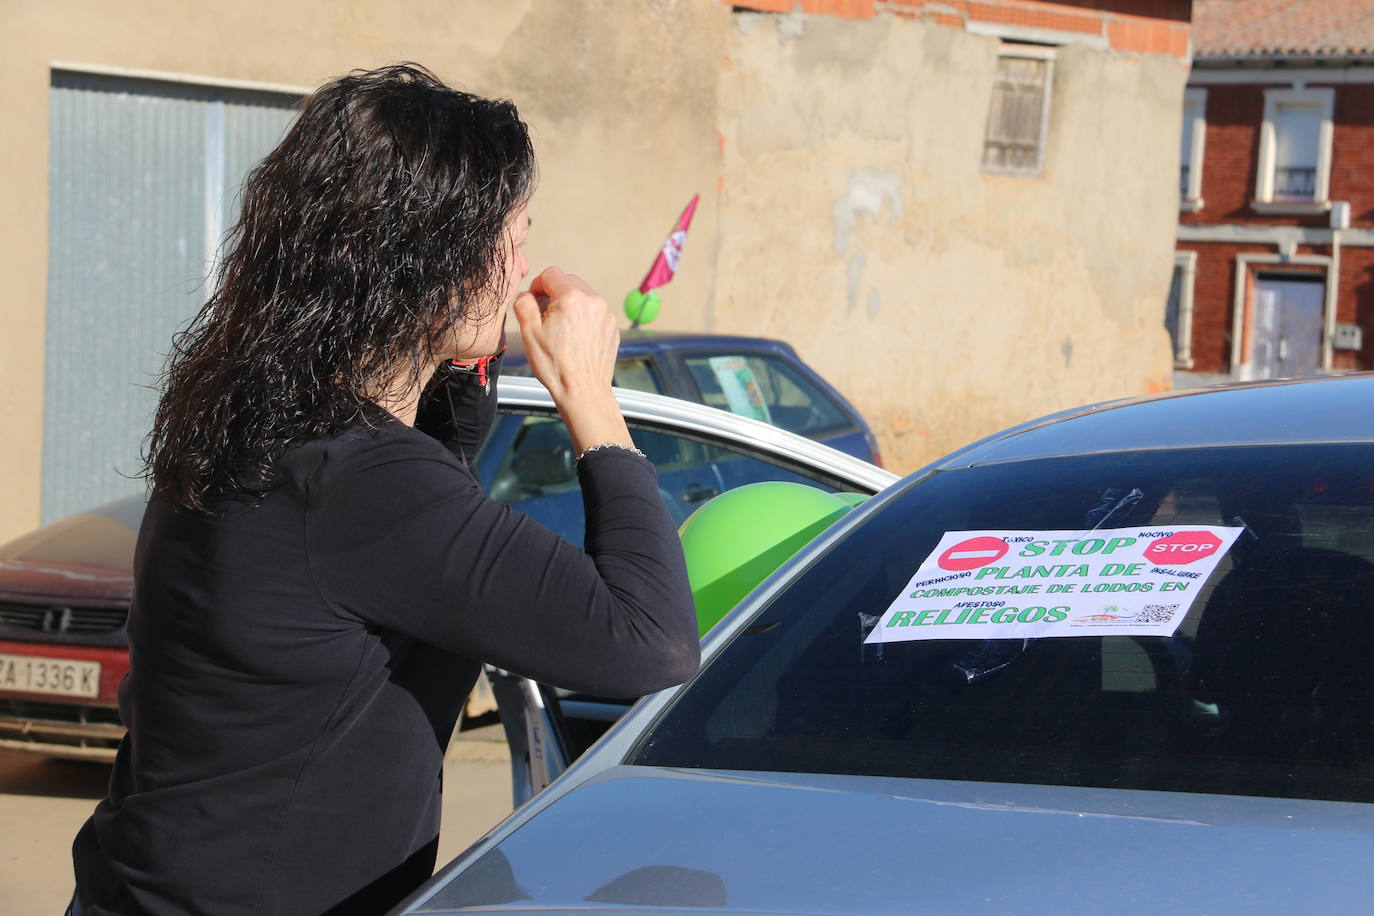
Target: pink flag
pixel 665 265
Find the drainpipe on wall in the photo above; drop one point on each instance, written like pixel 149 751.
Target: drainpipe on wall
pixel 1340 219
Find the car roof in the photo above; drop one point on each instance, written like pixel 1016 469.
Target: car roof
pixel 645 340
pixel 1328 409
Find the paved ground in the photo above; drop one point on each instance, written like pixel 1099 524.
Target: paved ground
pixel 43 803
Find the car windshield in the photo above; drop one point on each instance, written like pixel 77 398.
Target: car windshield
pixel 1265 688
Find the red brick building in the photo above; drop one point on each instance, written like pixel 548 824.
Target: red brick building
pixel 1274 272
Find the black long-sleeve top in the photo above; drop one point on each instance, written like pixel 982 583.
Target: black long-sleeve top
pixel 297 665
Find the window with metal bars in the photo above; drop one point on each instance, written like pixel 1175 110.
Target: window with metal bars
pixel 1294 161
pixel 1018 116
pixel 1297 151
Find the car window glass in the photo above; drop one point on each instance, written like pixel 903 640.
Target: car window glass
pixel 1265 689
pixel 539 462
pixel 764 388
pixel 537 474
pixel 637 374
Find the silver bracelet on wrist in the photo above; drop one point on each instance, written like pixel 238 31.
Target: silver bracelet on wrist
pixel 609 444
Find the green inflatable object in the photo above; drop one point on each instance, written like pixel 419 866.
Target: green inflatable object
pixel 642 308
pixel 736 540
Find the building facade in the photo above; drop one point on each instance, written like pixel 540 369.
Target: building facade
pixel 1274 268
pixel 960 212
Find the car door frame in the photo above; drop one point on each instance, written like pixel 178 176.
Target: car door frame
pixel 713 427
pixel 531 713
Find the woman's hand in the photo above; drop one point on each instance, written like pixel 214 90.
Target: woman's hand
pixel 570 336
pixel 571 341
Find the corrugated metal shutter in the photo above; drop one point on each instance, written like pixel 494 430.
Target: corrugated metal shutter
pixel 143 183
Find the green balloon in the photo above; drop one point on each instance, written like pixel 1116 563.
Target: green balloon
pixel 641 308
pixel 650 310
pixel 740 537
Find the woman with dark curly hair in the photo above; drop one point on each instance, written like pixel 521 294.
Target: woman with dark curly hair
pixel 318 574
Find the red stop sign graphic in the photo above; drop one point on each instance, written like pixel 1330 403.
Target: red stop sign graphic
pixel 1183 547
pixel 973 553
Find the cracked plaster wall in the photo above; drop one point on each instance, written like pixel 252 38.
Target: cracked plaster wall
pixel 855 221
pixel 842 209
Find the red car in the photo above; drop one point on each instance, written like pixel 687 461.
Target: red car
pixel 64 594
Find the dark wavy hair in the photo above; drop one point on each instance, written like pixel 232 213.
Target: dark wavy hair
pixel 374 229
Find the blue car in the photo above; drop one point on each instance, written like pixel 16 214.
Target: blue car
pixel 527 461
pixel 964 698
pixel 754 377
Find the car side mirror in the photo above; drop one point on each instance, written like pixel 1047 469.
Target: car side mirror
pixel 544 467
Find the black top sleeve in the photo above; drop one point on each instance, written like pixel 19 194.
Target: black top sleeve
pixel 473 576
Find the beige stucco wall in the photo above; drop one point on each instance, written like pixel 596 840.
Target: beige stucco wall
pixel 843 204
pixel 946 303
pixel 622 109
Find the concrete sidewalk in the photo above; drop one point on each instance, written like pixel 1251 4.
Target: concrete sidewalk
pixel 43 803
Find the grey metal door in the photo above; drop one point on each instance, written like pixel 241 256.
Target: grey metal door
pixel 143 184
pixel 1286 330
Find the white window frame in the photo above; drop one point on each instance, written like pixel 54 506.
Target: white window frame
pixel 1264 201
pixel 173 76
pixel 1194 109
pixel 1186 263
pixel 1028 52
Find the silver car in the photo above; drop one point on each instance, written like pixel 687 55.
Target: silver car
pixel 1208 750
pixel 699 452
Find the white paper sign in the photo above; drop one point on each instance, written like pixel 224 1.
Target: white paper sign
pixel 1015 584
pixel 740 388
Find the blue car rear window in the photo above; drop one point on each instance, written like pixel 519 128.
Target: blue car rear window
pixel 1265 689
pixel 767 389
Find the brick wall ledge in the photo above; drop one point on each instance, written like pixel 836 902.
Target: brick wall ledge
pixel 1273 235
pixel 1126 26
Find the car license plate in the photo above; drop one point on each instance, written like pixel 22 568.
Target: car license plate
pixel 61 676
